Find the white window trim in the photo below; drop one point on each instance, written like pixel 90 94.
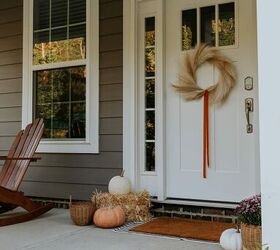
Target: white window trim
pixel 91 142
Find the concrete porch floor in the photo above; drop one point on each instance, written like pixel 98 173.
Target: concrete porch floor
pixel 54 230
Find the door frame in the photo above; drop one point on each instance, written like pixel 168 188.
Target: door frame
pixel 131 102
pixel 130 99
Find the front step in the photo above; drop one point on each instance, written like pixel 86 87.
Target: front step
pixel 194 212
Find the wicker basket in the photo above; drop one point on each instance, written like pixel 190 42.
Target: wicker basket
pixel 82 212
pixel 251 237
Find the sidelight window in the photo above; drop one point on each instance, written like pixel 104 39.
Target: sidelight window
pixel 150 81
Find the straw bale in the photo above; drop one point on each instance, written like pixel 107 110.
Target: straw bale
pixel 136 205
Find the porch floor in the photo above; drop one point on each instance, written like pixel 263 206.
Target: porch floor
pixel 54 230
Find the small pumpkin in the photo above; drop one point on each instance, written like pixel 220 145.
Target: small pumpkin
pixel 231 239
pixel 119 184
pixel 107 217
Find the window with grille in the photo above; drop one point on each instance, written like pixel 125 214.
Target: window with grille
pixel 216 26
pixel 62 71
pixel 150 80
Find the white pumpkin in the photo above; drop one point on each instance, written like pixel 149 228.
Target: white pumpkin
pixel 119 185
pixel 231 239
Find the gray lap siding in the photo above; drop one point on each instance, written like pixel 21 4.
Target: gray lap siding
pixel 59 175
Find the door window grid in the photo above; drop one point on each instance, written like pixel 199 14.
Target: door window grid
pixel 150 82
pixel 217 26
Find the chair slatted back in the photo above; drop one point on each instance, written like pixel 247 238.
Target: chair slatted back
pixel 24 145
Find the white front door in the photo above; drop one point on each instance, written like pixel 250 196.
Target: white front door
pixel 233 172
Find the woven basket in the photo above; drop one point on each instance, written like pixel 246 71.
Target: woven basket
pixel 251 237
pixel 82 212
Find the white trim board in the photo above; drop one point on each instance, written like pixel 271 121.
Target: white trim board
pixel 269 116
pixel 129 91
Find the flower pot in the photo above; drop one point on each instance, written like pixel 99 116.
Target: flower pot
pixel 251 237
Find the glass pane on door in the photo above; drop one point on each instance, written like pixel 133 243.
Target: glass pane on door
pixel 207 25
pixel 226 24
pixel 189 29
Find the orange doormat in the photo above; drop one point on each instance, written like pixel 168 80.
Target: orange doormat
pixel 184 228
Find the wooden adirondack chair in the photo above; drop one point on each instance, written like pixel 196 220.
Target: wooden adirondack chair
pixel 14 168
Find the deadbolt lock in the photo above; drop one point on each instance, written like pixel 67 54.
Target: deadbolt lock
pixel 248 83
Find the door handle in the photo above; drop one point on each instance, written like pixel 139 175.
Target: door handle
pixel 249 107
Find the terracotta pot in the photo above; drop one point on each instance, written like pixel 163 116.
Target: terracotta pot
pixel 251 237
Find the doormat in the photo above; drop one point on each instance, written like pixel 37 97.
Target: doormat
pixel 184 228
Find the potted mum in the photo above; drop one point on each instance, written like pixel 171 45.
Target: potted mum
pixel 249 214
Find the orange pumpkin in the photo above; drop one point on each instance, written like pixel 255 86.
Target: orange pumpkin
pixel 109 217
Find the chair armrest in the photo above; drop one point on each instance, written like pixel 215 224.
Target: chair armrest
pixel 20 158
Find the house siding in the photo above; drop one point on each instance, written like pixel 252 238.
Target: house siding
pixel 59 175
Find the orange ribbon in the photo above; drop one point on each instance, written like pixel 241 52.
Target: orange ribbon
pixel 205 132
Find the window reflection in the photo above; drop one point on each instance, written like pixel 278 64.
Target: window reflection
pixel 150 125
pixel 207 25
pixel 189 29
pixel 226 24
pixel 150 93
pixel 60 34
pixel 149 31
pixel 150 69
pixel 150 61
pixel 150 156
pixel 60 101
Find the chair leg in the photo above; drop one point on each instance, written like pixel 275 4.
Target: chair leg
pixel 17 198
pixel 12 199
pixel 25 217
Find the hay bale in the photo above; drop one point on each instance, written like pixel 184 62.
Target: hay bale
pixel 136 205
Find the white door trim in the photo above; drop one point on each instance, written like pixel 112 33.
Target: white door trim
pixel 129 91
pixel 130 98
pixel 268 62
pixel 160 101
pixel 130 102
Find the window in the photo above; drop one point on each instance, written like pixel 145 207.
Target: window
pixel 60 73
pixel 150 65
pixel 217 26
pixel 60 100
pixel 189 29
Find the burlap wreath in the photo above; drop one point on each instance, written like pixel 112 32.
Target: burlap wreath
pixel 187 81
